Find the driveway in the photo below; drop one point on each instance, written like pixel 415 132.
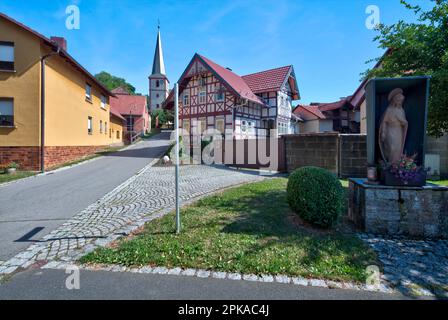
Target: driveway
pixel 32 208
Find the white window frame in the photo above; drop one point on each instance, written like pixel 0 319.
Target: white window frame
pixel 202 94
pixel 8 102
pixel 88 92
pixel 7 56
pixel 186 100
pixel 103 101
pixel 90 125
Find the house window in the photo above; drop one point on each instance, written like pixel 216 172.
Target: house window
pixel 6 56
pixel 118 134
pixel 220 95
pixel 6 112
pixel 157 95
pixel 186 100
pixel 157 83
pixel 101 126
pixel 105 128
pixel 243 126
pixel 202 96
pixel 103 102
pixel 89 92
pixel 202 81
pixel 90 125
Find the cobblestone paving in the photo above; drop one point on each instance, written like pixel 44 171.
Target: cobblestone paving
pixel 413 267
pixel 142 198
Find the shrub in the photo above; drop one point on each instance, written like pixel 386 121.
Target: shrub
pixel 13 165
pixel 316 196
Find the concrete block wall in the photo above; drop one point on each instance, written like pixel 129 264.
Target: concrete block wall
pixel 342 154
pixel 316 149
pixel 439 146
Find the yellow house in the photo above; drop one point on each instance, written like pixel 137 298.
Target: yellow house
pixel 52 110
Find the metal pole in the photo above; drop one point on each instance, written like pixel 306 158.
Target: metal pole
pixel 176 128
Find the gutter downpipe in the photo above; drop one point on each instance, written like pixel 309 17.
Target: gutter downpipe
pixel 42 108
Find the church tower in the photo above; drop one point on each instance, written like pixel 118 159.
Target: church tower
pixel 158 82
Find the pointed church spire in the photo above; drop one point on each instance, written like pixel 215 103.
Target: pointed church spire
pixel 158 66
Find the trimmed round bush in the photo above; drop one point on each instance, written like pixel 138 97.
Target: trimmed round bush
pixel 316 195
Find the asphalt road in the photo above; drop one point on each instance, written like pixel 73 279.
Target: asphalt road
pixel 102 285
pixel 31 208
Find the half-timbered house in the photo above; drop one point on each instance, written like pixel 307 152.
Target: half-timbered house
pixel 214 97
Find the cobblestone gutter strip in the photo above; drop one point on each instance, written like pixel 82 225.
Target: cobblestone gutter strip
pixel 143 198
pixel 199 273
pixel 414 267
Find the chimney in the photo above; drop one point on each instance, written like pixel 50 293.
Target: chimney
pixel 61 42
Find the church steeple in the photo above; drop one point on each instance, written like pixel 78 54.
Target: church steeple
pixel 158 81
pixel 158 66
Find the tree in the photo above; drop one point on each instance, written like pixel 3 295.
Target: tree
pixel 420 48
pixel 164 116
pixel 111 82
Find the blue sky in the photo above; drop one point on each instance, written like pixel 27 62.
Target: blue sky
pixel 326 40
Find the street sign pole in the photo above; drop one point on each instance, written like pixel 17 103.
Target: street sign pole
pixel 176 128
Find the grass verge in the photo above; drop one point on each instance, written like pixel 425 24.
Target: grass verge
pixel 248 229
pixel 4 178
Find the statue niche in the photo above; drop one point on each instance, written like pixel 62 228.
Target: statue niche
pixel 393 128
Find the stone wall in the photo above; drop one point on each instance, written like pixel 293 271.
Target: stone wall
pixel 413 212
pixel 439 146
pixel 312 149
pixel 353 156
pixel 342 154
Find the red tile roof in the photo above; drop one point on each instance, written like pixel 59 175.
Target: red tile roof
pixel 233 80
pixel 62 53
pixel 127 104
pixel 269 80
pixel 309 112
pixel 115 113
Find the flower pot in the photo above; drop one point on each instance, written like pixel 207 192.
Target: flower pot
pixel 11 171
pixel 389 179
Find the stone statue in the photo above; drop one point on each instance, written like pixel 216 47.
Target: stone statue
pixel 393 128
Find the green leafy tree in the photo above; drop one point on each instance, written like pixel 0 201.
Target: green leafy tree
pixel 111 82
pixel 420 48
pixel 164 116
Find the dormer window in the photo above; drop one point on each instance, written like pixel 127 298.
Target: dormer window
pixel 6 56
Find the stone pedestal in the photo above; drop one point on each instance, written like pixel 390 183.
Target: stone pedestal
pixel 413 212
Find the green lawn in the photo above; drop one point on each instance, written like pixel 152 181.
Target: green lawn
pixel 440 183
pixel 247 229
pixel 19 175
